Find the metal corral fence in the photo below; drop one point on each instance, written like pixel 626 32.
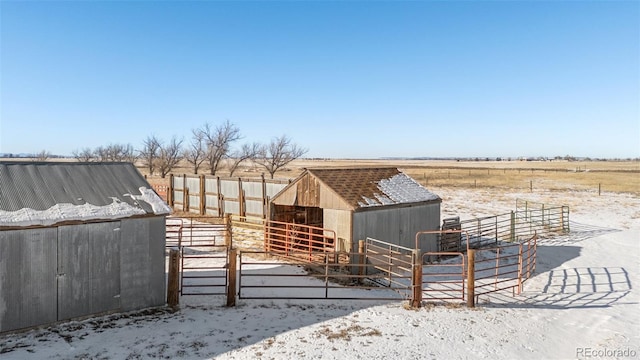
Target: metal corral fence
pixel 213 195
pixel 528 219
pixel 504 268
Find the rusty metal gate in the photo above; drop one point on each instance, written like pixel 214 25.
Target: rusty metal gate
pixel 443 276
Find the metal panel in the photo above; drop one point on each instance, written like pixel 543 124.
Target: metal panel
pixel 398 225
pixel 273 189
pixel 252 188
pixel 229 188
pixel 142 273
pixel 40 186
pixel 27 278
pixel 254 207
pixel 89 268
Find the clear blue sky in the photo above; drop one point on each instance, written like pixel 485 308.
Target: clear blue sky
pixel 359 79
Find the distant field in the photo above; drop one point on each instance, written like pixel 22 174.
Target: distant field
pixel 606 176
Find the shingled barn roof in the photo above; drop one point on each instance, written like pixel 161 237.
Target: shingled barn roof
pixel 356 188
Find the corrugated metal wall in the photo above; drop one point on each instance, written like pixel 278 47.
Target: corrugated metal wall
pixel 398 225
pixel 28 278
pixel 59 273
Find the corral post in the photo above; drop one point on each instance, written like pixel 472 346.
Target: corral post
pixel 361 260
pixel 231 273
pixel 471 278
pixel 170 191
pixel 220 197
pixel 203 197
pixel 513 226
pixel 264 197
pixel 530 185
pixel 173 286
pixel 416 280
pixel 599 188
pixel 228 239
pixel 185 203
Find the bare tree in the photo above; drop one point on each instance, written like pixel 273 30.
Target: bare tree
pixel 84 155
pixel 196 154
pixel 169 156
pixel 43 155
pixel 247 152
pixel 116 153
pixel 218 142
pixel 279 153
pixel 150 151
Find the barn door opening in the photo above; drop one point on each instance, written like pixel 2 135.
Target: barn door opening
pixel 304 215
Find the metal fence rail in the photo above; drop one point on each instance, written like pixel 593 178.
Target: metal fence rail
pixel 204 270
pixel 443 276
pixel 528 219
pixel 280 277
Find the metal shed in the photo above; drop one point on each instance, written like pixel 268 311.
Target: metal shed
pixel 382 203
pixel 77 239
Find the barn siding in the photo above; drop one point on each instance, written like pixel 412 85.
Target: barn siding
pixel 142 277
pixel 397 225
pixel 89 267
pixel 340 222
pixel 27 278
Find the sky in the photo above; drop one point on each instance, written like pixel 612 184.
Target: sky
pixel 353 79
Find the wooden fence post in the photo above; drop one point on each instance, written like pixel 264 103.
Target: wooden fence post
pixel 220 197
pixel 203 196
pixel 512 236
pixel 170 191
pixel 231 271
pixel 599 188
pixel 471 278
pixel 185 203
pixel 416 283
pixel 228 238
pixel 361 260
pixel 173 286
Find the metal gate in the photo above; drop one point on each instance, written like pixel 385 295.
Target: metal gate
pixel 204 258
pixel 443 276
pixel 390 265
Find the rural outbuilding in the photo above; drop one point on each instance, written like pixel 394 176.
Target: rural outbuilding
pixel 77 239
pixel 382 203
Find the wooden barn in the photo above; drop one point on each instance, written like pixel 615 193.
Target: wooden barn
pixel 78 239
pixel 381 203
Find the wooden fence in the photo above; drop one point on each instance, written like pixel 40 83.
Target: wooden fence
pixel 213 195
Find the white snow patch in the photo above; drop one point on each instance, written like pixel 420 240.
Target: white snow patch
pixel 399 189
pixel 70 212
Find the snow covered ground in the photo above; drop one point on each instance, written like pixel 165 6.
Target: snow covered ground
pixel 582 303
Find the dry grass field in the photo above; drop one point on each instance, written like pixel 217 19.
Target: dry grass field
pixel 592 176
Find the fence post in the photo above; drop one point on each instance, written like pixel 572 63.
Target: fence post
pixel 599 188
pixel 264 197
pixel 416 283
pixel 512 236
pixel 520 268
pixel 231 271
pixel 220 197
pixel 361 260
pixel 170 192
pixel 173 287
pixel 530 185
pixel 228 239
pixel 471 278
pixel 203 196
pixel 185 203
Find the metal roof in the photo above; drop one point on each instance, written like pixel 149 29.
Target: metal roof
pixel 367 187
pixel 35 187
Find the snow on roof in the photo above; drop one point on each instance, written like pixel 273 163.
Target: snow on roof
pixel 375 186
pixel 399 189
pixel 49 193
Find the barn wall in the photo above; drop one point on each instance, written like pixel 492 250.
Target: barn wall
pixel 142 276
pixel 58 273
pixel 398 225
pixel 27 278
pixel 89 269
pixel 340 222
